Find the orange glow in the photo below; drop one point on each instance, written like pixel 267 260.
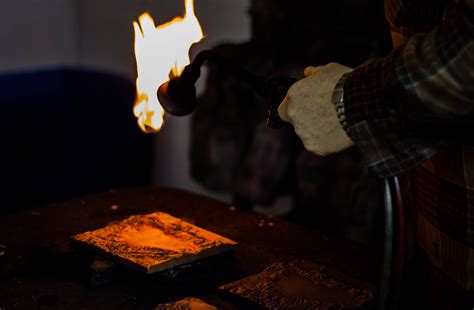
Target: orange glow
pixel 161 51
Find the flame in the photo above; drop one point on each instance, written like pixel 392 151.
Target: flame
pixel 161 51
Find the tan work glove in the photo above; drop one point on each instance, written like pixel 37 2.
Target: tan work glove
pixel 308 106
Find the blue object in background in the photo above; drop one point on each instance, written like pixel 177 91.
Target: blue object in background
pixel 68 132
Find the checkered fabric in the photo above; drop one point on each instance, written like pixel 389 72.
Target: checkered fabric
pixel 396 110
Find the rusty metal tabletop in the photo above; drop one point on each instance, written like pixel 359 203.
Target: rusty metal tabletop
pixel 40 268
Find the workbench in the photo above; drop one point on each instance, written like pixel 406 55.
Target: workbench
pixel 41 268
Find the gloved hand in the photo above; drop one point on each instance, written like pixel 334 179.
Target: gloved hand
pixel 308 106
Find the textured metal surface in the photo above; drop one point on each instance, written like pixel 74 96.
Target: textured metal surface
pixel 155 242
pixel 40 266
pixel 302 285
pixel 187 303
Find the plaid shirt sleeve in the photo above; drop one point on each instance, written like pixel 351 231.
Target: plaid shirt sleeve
pixel 428 81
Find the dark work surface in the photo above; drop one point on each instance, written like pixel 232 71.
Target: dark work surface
pixel 40 267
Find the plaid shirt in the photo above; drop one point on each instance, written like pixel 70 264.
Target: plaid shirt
pixel 404 112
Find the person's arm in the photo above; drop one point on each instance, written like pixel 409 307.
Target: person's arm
pixel 397 109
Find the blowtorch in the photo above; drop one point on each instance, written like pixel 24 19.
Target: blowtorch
pixel 178 95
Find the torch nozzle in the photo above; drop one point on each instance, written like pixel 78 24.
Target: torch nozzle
pixel 178 95
pixel 177 98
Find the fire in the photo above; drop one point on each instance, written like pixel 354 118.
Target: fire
pixel 161 51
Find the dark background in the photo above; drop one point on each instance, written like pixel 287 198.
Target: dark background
pixel 67 88
pixel 68 132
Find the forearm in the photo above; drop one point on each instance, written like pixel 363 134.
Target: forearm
pixel 436 71
pixel 423 84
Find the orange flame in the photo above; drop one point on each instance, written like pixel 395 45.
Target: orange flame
pixel 161 51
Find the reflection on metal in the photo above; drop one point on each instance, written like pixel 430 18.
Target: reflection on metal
pixel 388 244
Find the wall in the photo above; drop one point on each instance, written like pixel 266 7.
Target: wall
pixel 106 41
pixel 99 35
pixel 106 34
pixel 37 33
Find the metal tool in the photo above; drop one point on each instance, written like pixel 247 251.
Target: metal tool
pixel 178 95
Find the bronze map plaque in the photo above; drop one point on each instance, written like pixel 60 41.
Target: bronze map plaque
pixel 302 285
pixel 155 242
pixel 188 303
